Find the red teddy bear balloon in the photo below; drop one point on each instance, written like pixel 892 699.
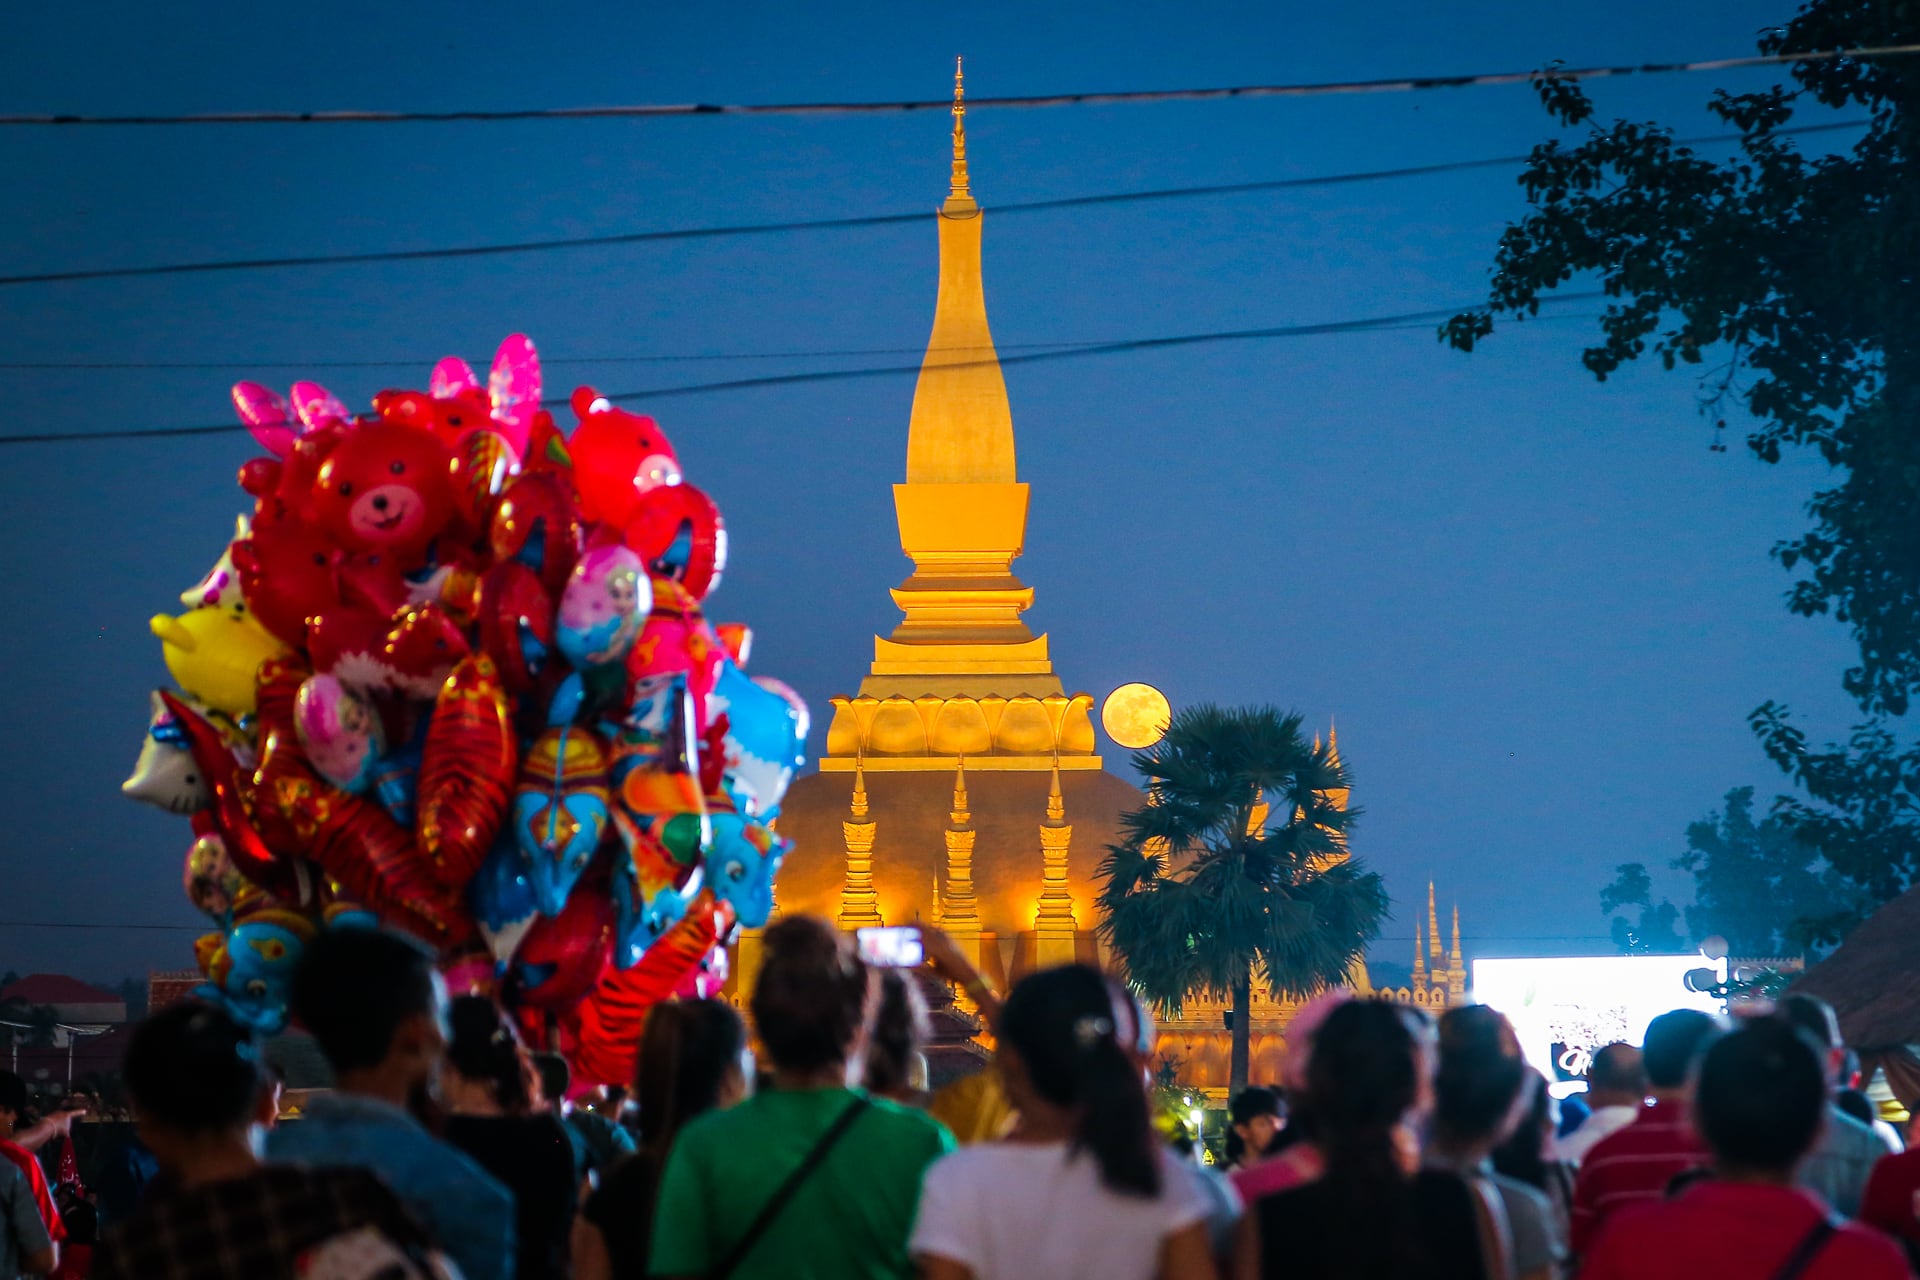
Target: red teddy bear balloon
pixel 385 488
pixel 617 457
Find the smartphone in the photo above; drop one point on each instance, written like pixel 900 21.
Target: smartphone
pixel 892 946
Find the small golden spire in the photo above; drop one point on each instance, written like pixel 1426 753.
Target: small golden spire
pixel 1456 935
pixel 858 806
pixel 961 815
pixel 1056 803
pixel 959 191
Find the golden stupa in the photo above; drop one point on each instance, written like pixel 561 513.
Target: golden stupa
pixel 962 785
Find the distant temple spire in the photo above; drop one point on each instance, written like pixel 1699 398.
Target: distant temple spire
pixel 1433 928
pixel 1419 959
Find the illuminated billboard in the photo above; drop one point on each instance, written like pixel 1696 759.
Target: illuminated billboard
pixel 1565 1007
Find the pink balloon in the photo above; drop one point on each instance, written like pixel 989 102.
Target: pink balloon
pixel 513 387
pixel 450 377
pixel 265 414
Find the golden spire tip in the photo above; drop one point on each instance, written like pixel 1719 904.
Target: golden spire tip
pixel 959 189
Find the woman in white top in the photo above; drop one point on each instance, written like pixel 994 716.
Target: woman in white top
pixel 1082 1188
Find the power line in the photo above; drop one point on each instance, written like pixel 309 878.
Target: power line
pixel 420 362
pixel 822 224
pixel 1378 324
pixel 1402 84
pixel 545 361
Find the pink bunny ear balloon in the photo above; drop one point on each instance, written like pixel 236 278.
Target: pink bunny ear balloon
pixel 318 407
pixel 450 377
pixel 514 389
pixel 265 414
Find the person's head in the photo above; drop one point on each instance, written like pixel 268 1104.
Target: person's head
pixel 1762 1099
pixel 1477 1088
pixel 373 1003
pixel 193 1072
pixel 1253 1118
pixel 556 1079
pixel 900 1030
pixel 809 1002
pixel 486 1057
pixel 1365 1077
pixel 1062 1050
pixel 1673 1046
pixel 1815 1017
pixel 691 1060
pixel 13 1101
pixel 1856 1104
pixel 1616 1077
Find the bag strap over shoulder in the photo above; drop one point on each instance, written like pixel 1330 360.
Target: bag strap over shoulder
pixel 783 1194
pixel 1496 1232
pixel 1809 1248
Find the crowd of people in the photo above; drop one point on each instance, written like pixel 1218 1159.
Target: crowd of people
pixel 810 1145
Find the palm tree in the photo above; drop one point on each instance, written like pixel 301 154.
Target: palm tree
pixel 1238 863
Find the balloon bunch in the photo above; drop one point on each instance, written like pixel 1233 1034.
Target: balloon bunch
pixel 454 674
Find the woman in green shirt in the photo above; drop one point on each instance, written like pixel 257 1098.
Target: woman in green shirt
pixel 808 1178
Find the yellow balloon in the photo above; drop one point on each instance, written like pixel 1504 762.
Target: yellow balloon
pixel 1136 715
pixel 213 655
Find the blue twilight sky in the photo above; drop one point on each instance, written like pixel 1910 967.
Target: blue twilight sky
pixel 1539 608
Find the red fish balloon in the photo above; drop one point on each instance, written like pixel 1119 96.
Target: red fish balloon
pixel 466 773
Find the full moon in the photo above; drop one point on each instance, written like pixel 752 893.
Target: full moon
pixel 1136 715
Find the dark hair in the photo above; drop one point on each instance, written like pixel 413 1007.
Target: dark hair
pixel 1248 1105
pixel 13 1093
pixel 193 1068
pixel 900 1028
pixel 1762 1095
pixel 810 997
pixel 1479 1077
pixel 1618 1068
pixel 1856 1104
pixel 1524 1154
pixel 1362 1080
pixel 556 1077
pixel 354 987
pixel 1674 1043
pixel 1060 1024
pixel 1814 1016
pixel 485 1048
pixel 687 1049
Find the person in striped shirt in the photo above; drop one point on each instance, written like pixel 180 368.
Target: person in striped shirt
pixel 1635 1164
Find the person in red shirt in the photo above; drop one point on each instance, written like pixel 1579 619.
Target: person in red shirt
pixel 1892 1200
pixel 1760 1105
pixel 1636 1163
pixel 13 1102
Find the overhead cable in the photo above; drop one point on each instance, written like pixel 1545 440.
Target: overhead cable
pixel 1399 84
pixel 825 224
pixel 1406 320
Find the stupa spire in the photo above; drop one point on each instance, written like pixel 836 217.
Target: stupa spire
pixel 1419 959
pixel 1053 923
pixel 859 903
pixel 959 190
pixel 959 912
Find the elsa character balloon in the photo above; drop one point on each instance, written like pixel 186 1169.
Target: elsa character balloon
pixel 340 733
pixel 600 613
